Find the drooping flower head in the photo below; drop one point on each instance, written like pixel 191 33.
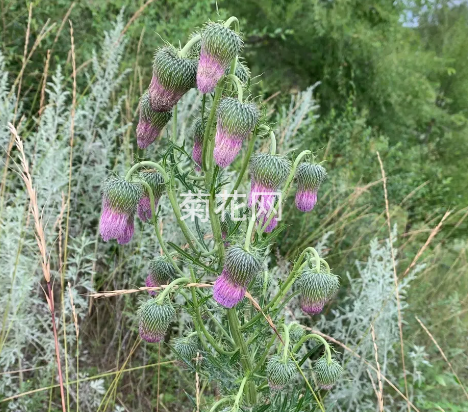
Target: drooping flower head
pixel 173 76
pixel 268 173
pixel 327 374
pixel 161 272
pixel 155 318
pixel 198 131
pixel 316 288
pixel 151 123
pixel 219 46
pixel 279 372
pixel 235 121
pixel 156 183
pixel 186 348
pixel 240 267
pixel 309 177
pixel 296 333
pixel 119 203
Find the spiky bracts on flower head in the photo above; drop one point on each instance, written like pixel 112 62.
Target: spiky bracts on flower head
pixel 161 272
pixel 240 267
pixel 119 202
pixel 173 76
pixel 198 131
pixel 316 289
pixel 235 121
pixel 268 172
pixel 242 71
pixel 279 372
pixel 309 177
pixel 156 183
pixel 187 348
pixel 327 374
pixel 155 318
pixel 151 122
pixel 296 333
pixel 219 46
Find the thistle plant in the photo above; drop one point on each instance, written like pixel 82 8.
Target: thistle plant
pixel 220 274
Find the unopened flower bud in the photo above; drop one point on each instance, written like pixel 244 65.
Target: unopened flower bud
pixel 156 183
pixel 327 374
pixel 280 372
pixel 187 348
pixel 268 172
pixel 155 318
pixel 240 267
pixel 161 272
pixel 198 131
pixel 119 203
pixel 235 121
pixel 173 76
pixel 296 333
pixel 219 46
pixel 316 289
pixel 309 177
pixel 151 122
pixel 242 72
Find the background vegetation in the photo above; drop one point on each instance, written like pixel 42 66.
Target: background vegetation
pixel 393 79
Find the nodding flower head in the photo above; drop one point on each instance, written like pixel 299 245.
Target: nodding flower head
pixel 316 288
pixel 161 272
pixel 173 76
pixel 327 374
pixel 151 123
pixel 279 372
pixel 242 71
pixel 156 183
pixel 240 267
pixel 268 173
pixel 296 333
pixel 186 348
pixel 235 121
pixel 198 131
pixel 309 177
pixel 219 46
pixel 119 203
pixel 226 223
pixel 155 318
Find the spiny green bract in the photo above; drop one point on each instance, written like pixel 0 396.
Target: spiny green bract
pixel 186 348
pixel 198 129
pixel 269 170
pixel 154 180
pixel 161 270
pixel 237 118
pixel 242 265
pixel 157 119
pixel 296 333
pixel 318 285
pixel 327 374
pixel 155 318
pixel 121 194
pixel 310 175
pixel 220 42
pixel 280 372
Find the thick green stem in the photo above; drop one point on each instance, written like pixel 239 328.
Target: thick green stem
pixel 216 227
pixel 183 52
pixel 216 406
pixel 286 341
pixel 195 322
pixel 231 20
pixel 327 266
pixel 248 235
pixel 150 164
pixel 240 91
pixel 174 283
pixel 174 124
pixel 246 362
pixel 305 338
pixel 272 143
pixel 239 395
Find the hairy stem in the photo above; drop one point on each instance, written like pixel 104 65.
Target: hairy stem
pixel 305 338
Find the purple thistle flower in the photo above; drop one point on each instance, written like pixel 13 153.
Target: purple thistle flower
pixel 309 177
pixel 268 172
pixel 156 183
pixel 119 202
pixel 316 289
pixel 219 46
pixel 161 272
pixel 151 123
pixel 235 121
pixel 239 269
pixel 173 76
pixel 198 131
pixel 155 319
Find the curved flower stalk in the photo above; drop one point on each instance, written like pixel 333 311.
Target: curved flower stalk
pixel 327 372
pixel 235 121
pixel 198 131
pixel 242 72
pixel 173 76
pixel 239 269
pixel 155 318
pixel 161 272
pixel 280 372
pixel 268 172
pixel 156 183
pixel 316 289
pixel 309 177
pixel 119 203
pixel 219 46
pixel 151 122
